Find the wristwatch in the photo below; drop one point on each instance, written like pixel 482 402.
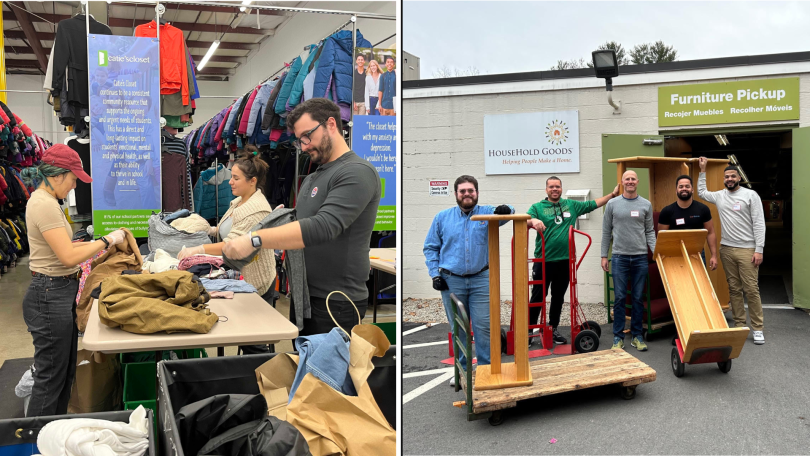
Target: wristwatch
pixel 105 241
pixel 256 239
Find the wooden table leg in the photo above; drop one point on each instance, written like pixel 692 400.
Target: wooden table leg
pixel 521 300
pixel 494 298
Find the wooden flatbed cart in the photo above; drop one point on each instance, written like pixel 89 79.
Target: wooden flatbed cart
pixel 549 375
pixel 703 334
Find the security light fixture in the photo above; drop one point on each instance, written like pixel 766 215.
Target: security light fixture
pixel 722 140
pixel 607 67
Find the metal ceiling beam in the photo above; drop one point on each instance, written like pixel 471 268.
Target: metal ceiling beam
pixel 207 8
pixel 223 45
pixel 129 23
pixel 21 63
pixel 209 71
pixel 265 8
pixel 222 58
pixel 17 50
pixel 24 19
pixel 17 35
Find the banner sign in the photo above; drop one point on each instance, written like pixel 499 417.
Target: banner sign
pixel 532 143
pixel 760 100
pixel 124 132
pixel 374 138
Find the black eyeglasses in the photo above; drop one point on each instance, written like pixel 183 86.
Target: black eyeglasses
pixel 463 191
pixel 304 139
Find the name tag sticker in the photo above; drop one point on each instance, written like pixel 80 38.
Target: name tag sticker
pixel 633 213
pixel 736 207
pixel 679 221
pixel 566 214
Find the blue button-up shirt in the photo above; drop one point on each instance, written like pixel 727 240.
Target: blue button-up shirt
pixel 458 244
pixel 388 87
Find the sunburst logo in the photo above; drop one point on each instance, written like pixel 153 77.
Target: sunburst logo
pixel 557 132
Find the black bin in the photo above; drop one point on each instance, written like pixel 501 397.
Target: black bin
pixel 28 430
pixel 186 381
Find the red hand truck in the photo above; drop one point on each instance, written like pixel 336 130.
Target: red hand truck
pixel 584 333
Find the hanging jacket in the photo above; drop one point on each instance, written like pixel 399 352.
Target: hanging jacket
pixel 284 94
pixel 259 104
pixel 238 121
pixel 173 69
pixel 243 122
pixel 336 63
pixel 231 117
pixel 309 83
pixel 70 58
pixel 193 75
pixel 205 199
pixel 297 89
pixel 218 137
pixel 270 115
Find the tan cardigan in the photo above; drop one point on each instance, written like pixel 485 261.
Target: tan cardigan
pixel 262 272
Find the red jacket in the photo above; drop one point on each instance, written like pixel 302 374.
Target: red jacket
pixel 173 70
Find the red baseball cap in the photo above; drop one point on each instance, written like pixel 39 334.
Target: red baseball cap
pixel 66 158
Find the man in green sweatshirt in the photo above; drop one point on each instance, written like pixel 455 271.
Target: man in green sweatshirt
pixel 552 217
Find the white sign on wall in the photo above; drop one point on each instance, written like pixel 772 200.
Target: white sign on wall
pixel 532 143
pixel 439 188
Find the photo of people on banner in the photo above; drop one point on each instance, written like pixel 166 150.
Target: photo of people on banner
pixel 375 82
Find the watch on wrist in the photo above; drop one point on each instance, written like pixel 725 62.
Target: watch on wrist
pixel 105 241
pixel 255 239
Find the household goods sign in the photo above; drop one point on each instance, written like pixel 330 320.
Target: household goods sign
pixel 761 100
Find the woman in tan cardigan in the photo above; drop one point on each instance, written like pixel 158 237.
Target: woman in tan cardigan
pixel 248 208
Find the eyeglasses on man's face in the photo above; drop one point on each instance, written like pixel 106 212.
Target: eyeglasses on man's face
pixel 304 139
pixel 466 190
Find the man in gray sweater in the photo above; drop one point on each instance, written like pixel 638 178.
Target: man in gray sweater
pixel 741 244
pixel 628 222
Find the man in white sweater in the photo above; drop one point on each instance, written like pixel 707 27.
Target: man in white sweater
pixel 741 244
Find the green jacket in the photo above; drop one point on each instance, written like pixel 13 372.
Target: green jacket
pixel 557 217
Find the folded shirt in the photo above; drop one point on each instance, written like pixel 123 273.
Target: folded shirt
pixel 237 286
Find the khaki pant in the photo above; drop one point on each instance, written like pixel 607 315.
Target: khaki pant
pixel 741 275
pixel 387 112
pixel 358 109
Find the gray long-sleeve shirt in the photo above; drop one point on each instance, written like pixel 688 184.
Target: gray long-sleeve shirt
pixel 741 216
pixel 337 208
pixel 629 223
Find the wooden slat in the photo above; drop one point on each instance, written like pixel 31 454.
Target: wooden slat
pixel 730 337
pixel 498 218
pixel 494 297
pixel 668 243
pixel 704 302
pixel 485 379
pixel 620 169
pixel 520 299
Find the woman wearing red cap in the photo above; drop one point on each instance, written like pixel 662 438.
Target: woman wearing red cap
pixel 49 305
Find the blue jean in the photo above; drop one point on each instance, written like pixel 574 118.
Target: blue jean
pixel 473 291
pixel 628 270
pixel 326 356
pixel 49 310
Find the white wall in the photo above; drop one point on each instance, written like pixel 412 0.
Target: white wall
pixel 443 138
pixel 33 108
pixel 309 28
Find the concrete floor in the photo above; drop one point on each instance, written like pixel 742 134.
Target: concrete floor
pixel 15 341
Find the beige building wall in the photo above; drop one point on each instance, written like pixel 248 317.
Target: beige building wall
pixel 443 138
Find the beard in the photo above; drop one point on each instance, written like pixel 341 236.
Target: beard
pixel 323 152
pixel 684 196
pixel 466 202
pixel 732 186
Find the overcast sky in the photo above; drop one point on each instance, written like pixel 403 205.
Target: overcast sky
pixel 505 37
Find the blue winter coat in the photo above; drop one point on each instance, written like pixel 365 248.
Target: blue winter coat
pixel 286 88
pixel 297 92
pixel 336 62
pixel 205 193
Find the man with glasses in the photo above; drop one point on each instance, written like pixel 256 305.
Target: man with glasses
pixel 336 210
pixel 457 256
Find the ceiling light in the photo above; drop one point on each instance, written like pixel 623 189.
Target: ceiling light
pixel 245 3
pixel 208 55
pixel 722 140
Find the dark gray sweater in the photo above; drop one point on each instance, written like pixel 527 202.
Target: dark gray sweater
pixel 629 223
pixel 337 208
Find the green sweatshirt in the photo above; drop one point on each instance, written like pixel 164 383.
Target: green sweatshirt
pixel 557 217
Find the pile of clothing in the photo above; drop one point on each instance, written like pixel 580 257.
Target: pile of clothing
pixel 89 437
pixel 259 116
pixel 18 144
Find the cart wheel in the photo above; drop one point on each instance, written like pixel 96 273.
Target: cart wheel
pixel 674 338
pixel 586 341
pixel 497 418
pixel 647 335
pixel 593 326
pixel 725 366
pixel 628 392
pixel 677 365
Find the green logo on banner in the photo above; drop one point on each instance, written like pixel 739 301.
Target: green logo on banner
pixel 102 58
pixel 760 100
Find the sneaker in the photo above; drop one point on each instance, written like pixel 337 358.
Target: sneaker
pixel 618 342
pixel 759 338
pixel 559 339
pixel 638 342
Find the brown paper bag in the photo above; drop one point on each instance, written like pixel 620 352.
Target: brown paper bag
pixel 275 377
pixel 97 386
pixel 334 423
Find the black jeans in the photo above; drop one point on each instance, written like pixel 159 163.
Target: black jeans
pixel 268 296
pixel 556 278
pixel 49 310
pixel 321 322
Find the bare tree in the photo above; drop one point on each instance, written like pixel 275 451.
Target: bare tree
pixel 569 64
pixel 446 72
pixel 653 53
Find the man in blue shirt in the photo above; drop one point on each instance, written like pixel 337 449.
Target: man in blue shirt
pixel 457 256
pixel 388 88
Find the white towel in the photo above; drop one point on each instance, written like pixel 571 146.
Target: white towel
pixel 89 437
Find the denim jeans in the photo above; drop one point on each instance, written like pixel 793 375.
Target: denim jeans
pixel 326 356
pixel 473 291
pixel 49 310
pixel 628 270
